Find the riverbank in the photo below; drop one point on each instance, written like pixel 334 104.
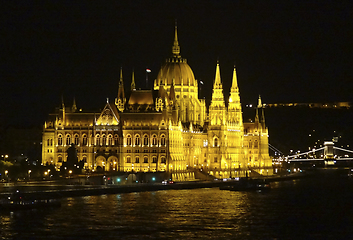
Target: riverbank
pixel 55 191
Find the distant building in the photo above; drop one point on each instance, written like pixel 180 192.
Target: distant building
pixel 167 128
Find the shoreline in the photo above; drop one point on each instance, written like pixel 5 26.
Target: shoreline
pixel 89 190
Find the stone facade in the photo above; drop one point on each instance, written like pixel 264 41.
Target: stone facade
pixel 166 129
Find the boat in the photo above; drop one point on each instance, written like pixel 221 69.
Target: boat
pixel 247 184
pixel 18 201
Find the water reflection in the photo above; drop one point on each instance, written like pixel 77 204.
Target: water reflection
pixel 198 213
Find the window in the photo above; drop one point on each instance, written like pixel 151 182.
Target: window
pixel 163 140
pixel 137 160
pixel 76 141
pixel 84 159
pixel 128 151
pixel 145 159
pixel 48 142
pixel 163 160
pixel 84 140
pixel 215 159
pixel 60 158
pixel 104 140
pixel 256 144
pixel 68 139
pixel 116 139
pixel 154 159
pixel 128 159
pixel 128 140
pixel 250 144
pixel 145 140
pixel 154 140
pixel 60 140
pixel 51 142
pixel 137 140
pixel 110 140
pixel 98 140
pixel 145 150
pixel 216 142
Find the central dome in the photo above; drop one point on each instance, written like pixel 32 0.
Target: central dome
pixel 176 70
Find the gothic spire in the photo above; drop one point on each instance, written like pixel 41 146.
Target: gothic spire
pixel 133 85
pixel 74 107
pixel 121 92
pixel 234 91
pixel 217 94
pixel 260 105
pixel 176 48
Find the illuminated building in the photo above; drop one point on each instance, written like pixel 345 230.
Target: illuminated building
pixel 167 128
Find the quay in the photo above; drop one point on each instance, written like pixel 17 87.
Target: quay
pixel 65 191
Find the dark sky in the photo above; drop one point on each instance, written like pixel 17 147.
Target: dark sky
pixel 288 51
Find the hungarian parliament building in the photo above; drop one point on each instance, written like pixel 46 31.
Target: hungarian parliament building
pixel 164 129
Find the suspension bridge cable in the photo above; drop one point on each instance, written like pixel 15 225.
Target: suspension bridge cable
pixel 345 150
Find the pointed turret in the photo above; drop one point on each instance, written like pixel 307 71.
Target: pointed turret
pixel 217 94
pixel 261 106
pixel 172 93
pixel 133 85
pixel 120 100
pixel 259 102
pixel 217 107
pixel 176 48
pixel 63 110
pixel 74 107
pixel 121 92
pixel 234 105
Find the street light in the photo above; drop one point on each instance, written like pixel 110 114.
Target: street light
pixel 6 174
pixel 29 174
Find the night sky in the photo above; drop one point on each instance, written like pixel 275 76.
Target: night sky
pixel 288 51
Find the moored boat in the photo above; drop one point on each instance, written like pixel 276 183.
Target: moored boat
pixel 246 184
pixel 17 201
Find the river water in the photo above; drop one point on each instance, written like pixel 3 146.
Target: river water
pixel 314 208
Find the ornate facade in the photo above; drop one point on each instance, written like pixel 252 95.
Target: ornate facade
pixel 167 129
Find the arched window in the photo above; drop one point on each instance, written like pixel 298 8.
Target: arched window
pixel 145 159
pixel 116 139
pixel 76 141
pixel 256 144
pixel 51 142
pixel 68 139
pixel 98 142
pixel 137 159
pixel 137 140
pixel 48 142
pixel 60 139
pixel 145 140
pixel 215 143
pixel 154 159
pixel 84 140
pixel 104 140
pixel 154 140
pixel 128 140
pixel 250 144
pixel 110 140
pixel 163 160
pixel 163 140
pixel 84 159
pixel 60 158
pixel 128 159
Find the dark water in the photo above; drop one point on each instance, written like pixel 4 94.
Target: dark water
pixel 318 208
